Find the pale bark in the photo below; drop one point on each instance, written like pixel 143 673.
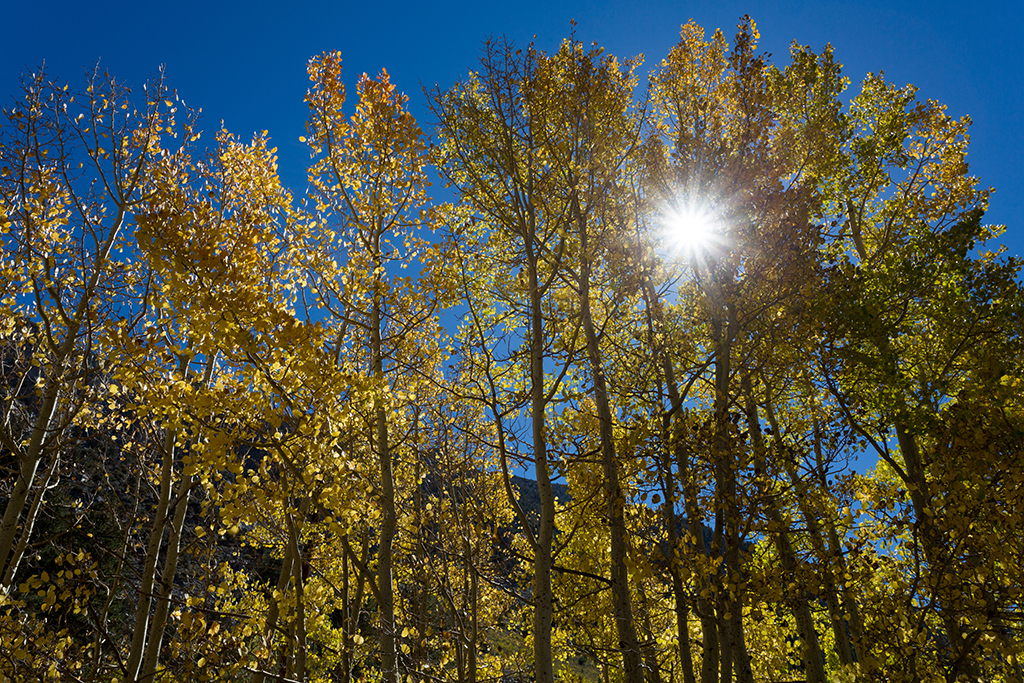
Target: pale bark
pixel 385 579
pixel 849 649
pixel 682 608
pixel 352 605
pixel 30 518
pixel 346 611
pixel 811 651
pixel 930 537
pixel 166 584
pixel 933 549
pixel 298 667
pixel 734 654
pixel 836 602
pixel 147 580
pixel 614 498
pixel 274 609
pixel 543 596
pixel 43 432
pixel 474 623
pixel 509 153
pixel 29 460
pixel 673 437
pixel 652 670
pixel 163 589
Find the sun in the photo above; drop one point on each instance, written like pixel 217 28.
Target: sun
pixel 691 230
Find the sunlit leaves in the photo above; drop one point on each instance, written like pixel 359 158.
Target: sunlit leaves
pixel 276 370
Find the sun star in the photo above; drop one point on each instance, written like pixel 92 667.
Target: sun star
pixel 691 230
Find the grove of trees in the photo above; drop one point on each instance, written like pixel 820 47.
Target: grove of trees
pixel 248 436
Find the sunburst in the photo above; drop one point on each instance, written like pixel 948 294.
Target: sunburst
pixel 691 230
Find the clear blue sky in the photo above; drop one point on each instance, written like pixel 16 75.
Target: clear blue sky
pixel 245 62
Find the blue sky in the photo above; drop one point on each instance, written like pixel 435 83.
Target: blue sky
pixel 244 63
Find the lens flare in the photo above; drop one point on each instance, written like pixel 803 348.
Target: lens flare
pixel 690 230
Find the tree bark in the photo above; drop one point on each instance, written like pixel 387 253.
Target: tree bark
pixel 273 611
pixel 811 652
pixel 734 654
pixel 836 603
pixel 615 502
pixel 385 579
pixel 146 581
pixel 299 658
pixel 673 437
pixel 543 597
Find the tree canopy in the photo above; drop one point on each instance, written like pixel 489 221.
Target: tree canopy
pixel 743 330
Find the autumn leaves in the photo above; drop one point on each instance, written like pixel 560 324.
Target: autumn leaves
pixel 322 472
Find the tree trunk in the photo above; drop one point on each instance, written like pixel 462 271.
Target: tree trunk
pixel 682 608
pixel 673 438
pixel 474 625
pixel 933 549
pixel 29 464
pixel 166 584
pixel 849 649
pixel 652 670
pixel 814 518
pixel 163 590
pixel 42 430
pixel 299 659
pixel 615 502
pixel 543 597
pixel 385 579
pixel 811 652
pixel 733 647
pixel 146 581
pixel 346 616
pixel 273 611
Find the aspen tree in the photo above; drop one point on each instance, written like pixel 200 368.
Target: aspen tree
pixel 588 133
pixel 369 178
pixel 74 167
pixel 490 152
pixel 918 323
